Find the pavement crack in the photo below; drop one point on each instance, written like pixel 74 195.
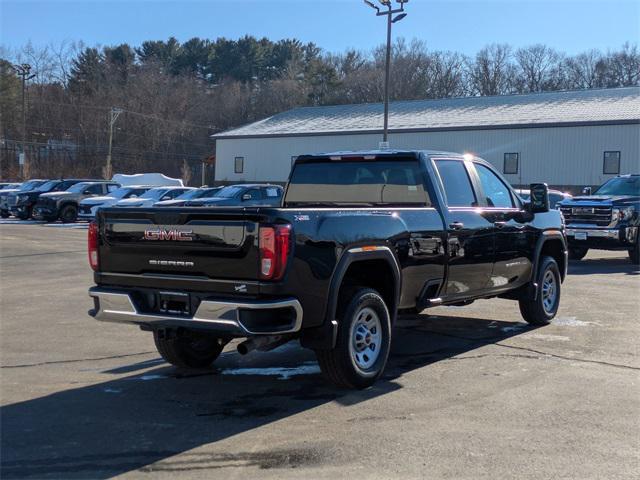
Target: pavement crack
pixel 40 254
pixel 25 365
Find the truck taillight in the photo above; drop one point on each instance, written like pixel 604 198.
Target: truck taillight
pixel 92 245
pixel 274 251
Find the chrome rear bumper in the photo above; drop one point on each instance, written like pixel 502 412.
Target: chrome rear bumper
pixel 219 316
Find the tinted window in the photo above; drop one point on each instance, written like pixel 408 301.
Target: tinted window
pixel 497 193
pixel 272 192
pixel 111 187
pixel 229 192
pixel 457 186
pixel 95 189
pixel 358 182
pixel 136 192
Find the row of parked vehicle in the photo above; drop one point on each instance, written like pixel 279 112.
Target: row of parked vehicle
pixel 69 200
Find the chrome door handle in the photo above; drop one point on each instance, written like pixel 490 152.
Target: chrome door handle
pixel 456 226
pixel 499 224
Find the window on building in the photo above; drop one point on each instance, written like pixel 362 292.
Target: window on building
pixel 238 165
pixel 611 164
pixel 511 163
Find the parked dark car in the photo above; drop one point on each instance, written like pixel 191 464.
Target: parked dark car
pixel 359 237
pixel 152 196
pixel 9 186
pixel 64 205
pixel 21 203
pixel 606 220
pixel 196 193
pixel 27 186
pixel 245 195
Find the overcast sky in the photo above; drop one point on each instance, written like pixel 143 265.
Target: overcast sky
pixel 460 25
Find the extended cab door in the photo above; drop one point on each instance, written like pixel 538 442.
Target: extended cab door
pixel 513 245
pixel 470 234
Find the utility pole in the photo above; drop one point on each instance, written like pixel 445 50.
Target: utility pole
pixel 23 71
pixel 113 116
pixel 389 12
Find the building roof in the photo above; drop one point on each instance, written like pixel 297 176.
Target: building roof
pixel 566 108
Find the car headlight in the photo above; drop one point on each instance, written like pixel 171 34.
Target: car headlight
pixel 620 214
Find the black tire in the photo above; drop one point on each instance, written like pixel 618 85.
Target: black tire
pixel 188 350
pixel 338 364
pixel 69 214
pixel 4 214
pixel 577 253
pixel 634 253
pixel 25 215
pixel 541 310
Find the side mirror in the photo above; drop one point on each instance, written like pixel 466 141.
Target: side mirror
pixel 586 191
pixel 246 196
pixel 539 201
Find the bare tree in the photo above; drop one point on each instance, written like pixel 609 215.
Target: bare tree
pixel 492 72
pixel 538 68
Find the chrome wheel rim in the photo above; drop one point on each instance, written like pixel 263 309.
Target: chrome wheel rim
pixel 549 291
pixel 366 338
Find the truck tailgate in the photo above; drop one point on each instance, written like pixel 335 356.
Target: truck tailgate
pixel 213 244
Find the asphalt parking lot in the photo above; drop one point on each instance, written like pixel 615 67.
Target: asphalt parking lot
pixel 469 392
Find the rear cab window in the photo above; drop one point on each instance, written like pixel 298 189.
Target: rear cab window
pixel 355 181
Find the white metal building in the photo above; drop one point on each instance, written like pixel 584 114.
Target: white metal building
pixel 567 139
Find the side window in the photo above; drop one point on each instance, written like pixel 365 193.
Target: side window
pixel 94 189
pixel 171 194
pixel 111 187
pixel 457 186
pixel 272 192
pixel 255 194
pixel 497 193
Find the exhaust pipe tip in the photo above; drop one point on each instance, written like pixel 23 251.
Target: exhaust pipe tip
pixel 243 348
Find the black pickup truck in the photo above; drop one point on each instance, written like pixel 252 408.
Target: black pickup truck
pixel 360 236
pixel 607 220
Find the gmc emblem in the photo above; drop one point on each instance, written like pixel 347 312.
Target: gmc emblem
pixel 170 235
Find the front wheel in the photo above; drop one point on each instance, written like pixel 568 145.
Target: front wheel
pixel 69 214
pixel 363 342
pixel 188 350
pixel 577 253
pixel 542 309
pixel 25 214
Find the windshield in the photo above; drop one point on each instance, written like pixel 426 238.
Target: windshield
pixel 196 193
pixel 228 192
pixel 620 186
pixel 78 187
pixel 30 185
pixel 48 186
pixel 154 193
pixel 357 183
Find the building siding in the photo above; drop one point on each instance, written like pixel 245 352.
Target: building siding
pixel 568 156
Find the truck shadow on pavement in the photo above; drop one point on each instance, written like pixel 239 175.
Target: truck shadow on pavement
pixel 141 422
pixel 602 266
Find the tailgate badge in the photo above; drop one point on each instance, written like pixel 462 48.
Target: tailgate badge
pixel 241 288
pixel 171 235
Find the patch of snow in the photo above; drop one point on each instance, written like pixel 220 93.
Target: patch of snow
pixel 571 322
pixel 551 338
pixel 112 390
pixel 150 377
pixel 283 373
pixel 514 328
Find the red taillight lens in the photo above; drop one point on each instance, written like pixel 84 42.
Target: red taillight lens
pixel 274 251
pixel 92 245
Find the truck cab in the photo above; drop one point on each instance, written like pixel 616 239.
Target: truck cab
pixel 605 220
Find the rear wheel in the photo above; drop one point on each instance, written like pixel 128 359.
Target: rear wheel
pixel 577 253
pixel 69 214
pixel 542 309
pixel 363 342
pixel 188 350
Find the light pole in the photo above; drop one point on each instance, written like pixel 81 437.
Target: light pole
pixel 23 71
pixel 113 116
pixel 389 12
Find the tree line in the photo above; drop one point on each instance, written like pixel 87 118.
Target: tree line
pixel 173 95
